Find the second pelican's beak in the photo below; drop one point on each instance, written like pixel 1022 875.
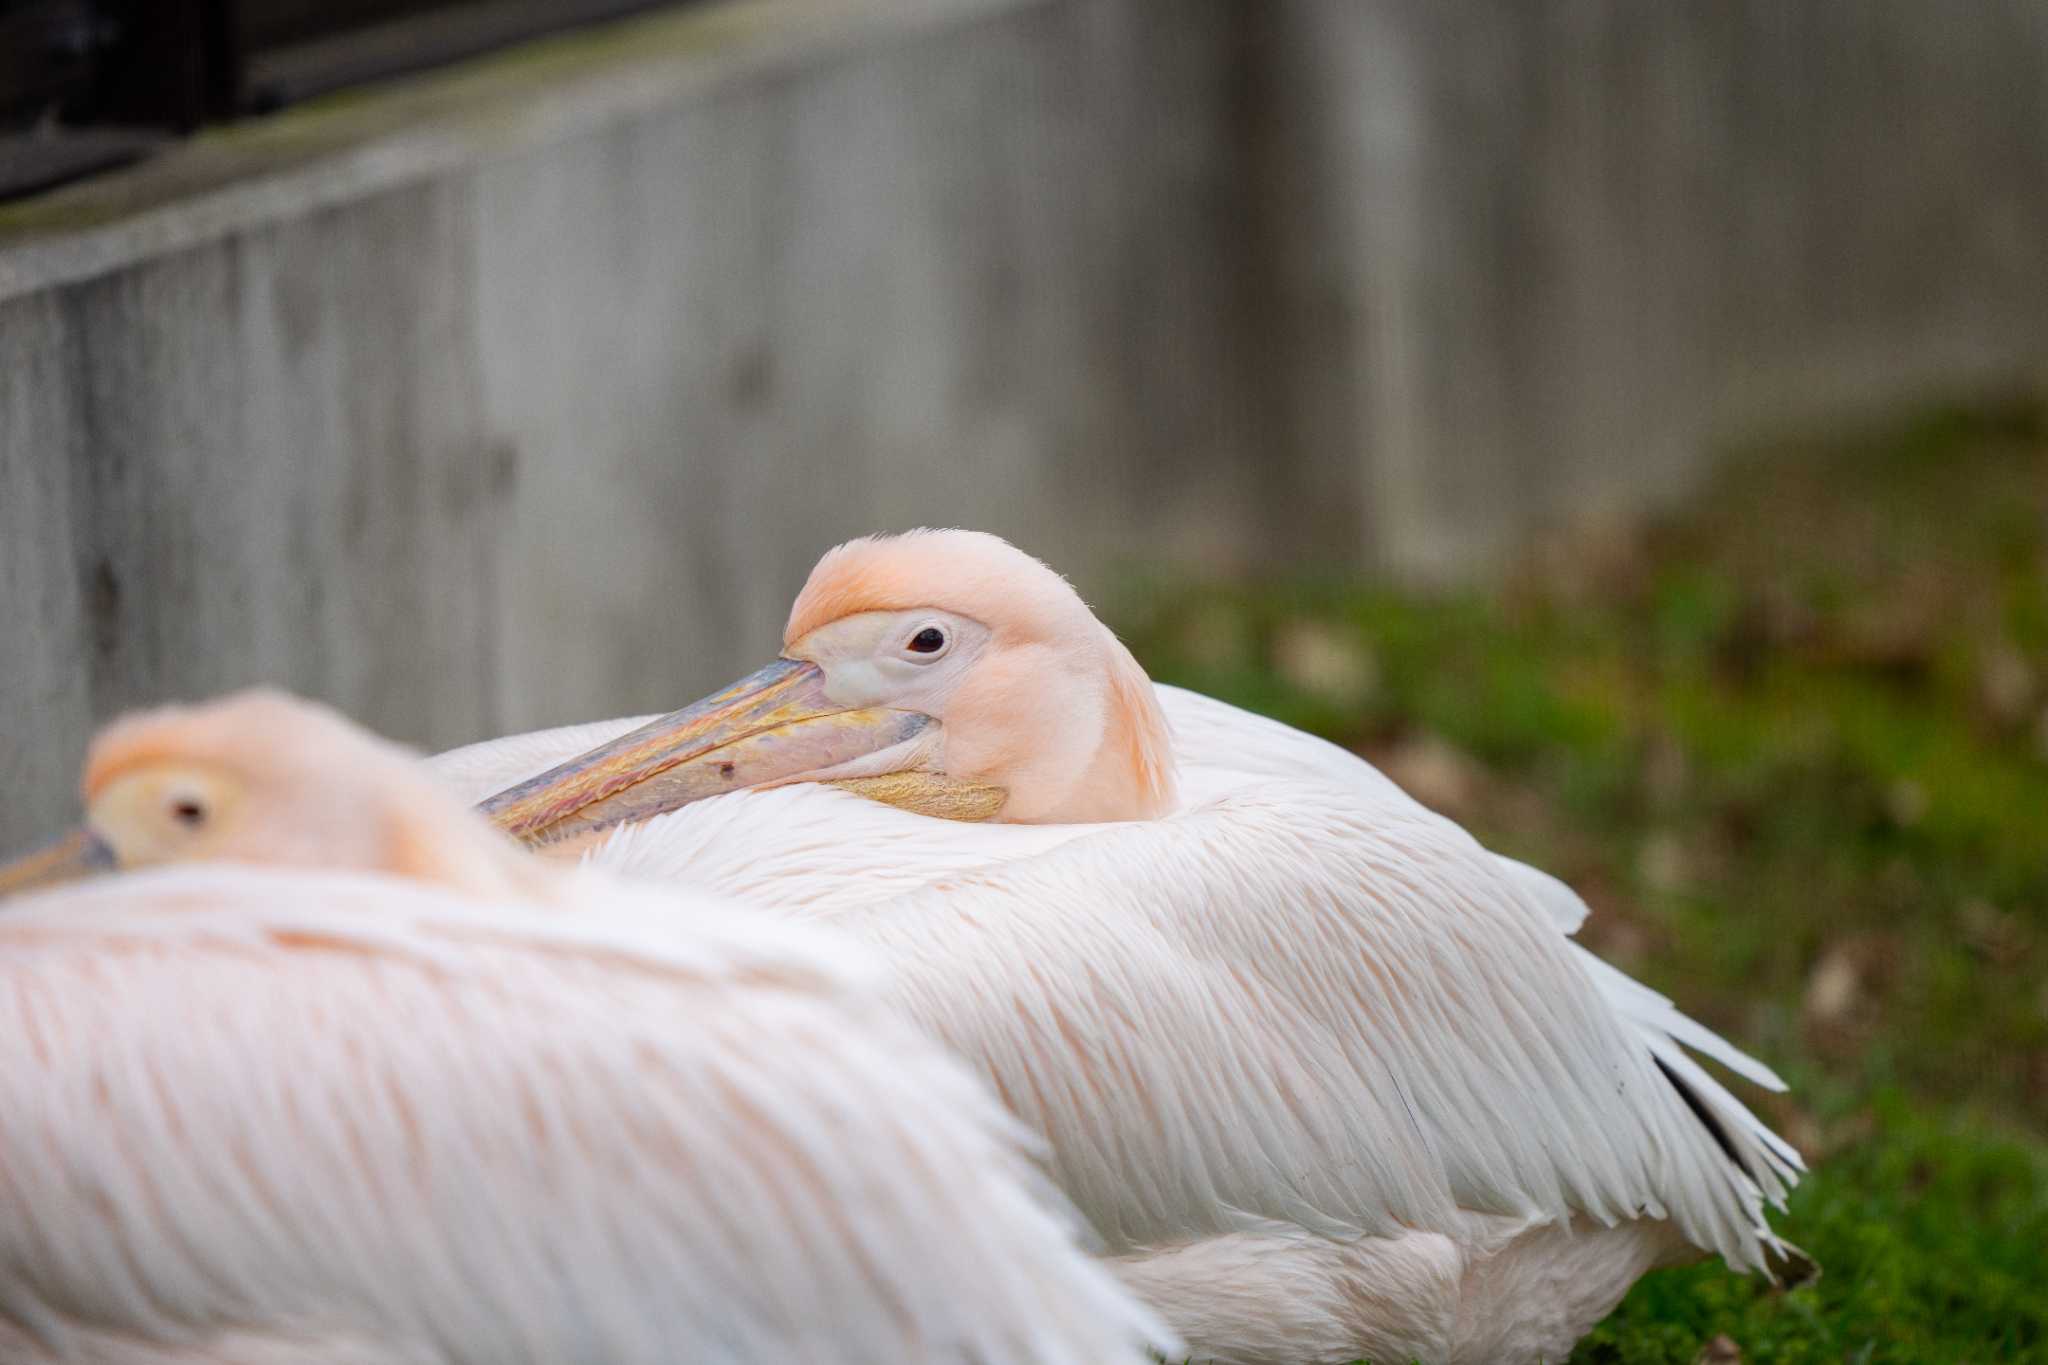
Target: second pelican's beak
pixel 776 725
pixel 78 854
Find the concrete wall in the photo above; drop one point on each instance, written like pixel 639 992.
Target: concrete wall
pixel 527 393
pixel 1542 256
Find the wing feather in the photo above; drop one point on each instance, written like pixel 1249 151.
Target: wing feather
pixel 240 1110
pixel 1308 1009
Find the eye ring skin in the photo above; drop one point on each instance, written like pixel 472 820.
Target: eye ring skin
pixel 937 651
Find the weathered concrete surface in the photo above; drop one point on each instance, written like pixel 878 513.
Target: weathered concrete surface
pixel 244 465
pixel 1536 257
pixel 988 280
pixel 528 392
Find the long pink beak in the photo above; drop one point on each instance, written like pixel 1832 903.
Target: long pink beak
pixel 775 725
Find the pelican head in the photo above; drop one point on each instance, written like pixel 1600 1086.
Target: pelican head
pixel 263 777
pixel 946 671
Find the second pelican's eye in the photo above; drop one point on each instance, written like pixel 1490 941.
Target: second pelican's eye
pixel 188 811
pixel 930 640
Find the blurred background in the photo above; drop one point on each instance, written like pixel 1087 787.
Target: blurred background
pixel 1624 423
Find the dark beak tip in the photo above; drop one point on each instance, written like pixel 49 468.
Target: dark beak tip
pixel 81 853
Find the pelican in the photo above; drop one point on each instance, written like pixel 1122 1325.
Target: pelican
pixel 1330 1079
pixel 336 1075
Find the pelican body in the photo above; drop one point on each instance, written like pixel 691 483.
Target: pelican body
pixel 1329 1078
pixel 335 1075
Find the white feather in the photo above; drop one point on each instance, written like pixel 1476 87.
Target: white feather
pixel 1301 1002
pixel 265 1116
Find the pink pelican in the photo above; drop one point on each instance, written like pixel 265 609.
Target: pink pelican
pixel 1330 1078
pixel 339 1076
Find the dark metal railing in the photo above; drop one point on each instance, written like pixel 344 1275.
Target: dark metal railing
pixel 89 84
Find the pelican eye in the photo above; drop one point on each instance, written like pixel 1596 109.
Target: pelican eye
pixel 930 640
pixel 188 811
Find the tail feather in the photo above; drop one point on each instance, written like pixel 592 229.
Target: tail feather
pixel 1650 1010
pixel 1764 1165
pixel 1764 1162
pixel 1768 1159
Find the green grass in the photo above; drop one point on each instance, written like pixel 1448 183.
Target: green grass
pixel 1793 747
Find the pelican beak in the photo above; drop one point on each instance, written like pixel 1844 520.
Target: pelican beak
pixel 776 725
pixel 78 854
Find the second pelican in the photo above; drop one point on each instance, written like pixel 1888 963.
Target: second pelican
pixel 332 1074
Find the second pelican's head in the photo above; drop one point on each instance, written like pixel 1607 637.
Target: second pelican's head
pixel 265 778
pixel 946 671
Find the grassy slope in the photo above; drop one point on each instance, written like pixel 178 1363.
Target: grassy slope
pixel 1794 750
